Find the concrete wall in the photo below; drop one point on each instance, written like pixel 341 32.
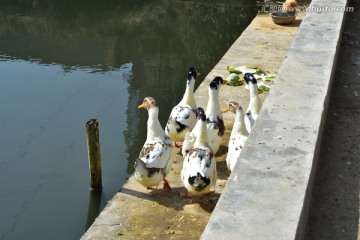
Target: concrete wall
pixel 268 194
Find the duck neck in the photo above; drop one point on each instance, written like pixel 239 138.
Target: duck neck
pixel 253 88
pixel 239 124
pixel 154 128
pixel 254 98
pixel 188 97
pixel 213 106
pixel 201 139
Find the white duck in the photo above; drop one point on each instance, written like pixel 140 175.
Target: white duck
pixel 182 117
pixel 199 168
pixel 215 123
pixel 238 135
pixel 254 103
pixel 153 163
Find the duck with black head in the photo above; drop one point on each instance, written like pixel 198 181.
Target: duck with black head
pixel 182 117
pixel 255 103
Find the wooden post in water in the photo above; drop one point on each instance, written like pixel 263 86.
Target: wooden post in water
pixel 93 144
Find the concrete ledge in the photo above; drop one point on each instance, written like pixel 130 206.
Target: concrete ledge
pixel 268 194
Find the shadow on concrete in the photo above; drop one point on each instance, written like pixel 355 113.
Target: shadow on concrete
pixel 295 24
pixel 172 199
pixel 222 151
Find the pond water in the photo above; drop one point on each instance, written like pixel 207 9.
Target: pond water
pixel 65 62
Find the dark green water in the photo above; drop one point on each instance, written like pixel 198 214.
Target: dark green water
pixel 64 62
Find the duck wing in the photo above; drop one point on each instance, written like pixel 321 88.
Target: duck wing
pixel 182 116
pixel 236 145
pixel 215 131
pixel 216 126
pixel 201 160
pixel 157 153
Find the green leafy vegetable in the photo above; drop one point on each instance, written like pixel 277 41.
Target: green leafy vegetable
pixel 231 69
pixel 270 77
pixel 263 89
pixel 256 69
pixel 233 80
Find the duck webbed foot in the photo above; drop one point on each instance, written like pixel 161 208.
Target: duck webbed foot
pixel 178 144
pixel 186 194
pixel 209 193
pixel 152 187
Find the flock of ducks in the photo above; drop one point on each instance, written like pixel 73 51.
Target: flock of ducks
pixel 199 133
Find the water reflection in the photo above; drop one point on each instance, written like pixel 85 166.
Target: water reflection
pixel 63 62
pixel 97 201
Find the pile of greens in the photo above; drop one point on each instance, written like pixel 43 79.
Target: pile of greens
pixel 235 80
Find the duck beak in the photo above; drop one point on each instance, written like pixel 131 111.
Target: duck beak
pixel 198 74
pixel 225 110
pixel 224 81
pixel 141 106
pixel 241 79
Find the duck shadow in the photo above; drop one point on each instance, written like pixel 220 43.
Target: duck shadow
pixel 222 171
pixel 222 150
pixel 172 199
